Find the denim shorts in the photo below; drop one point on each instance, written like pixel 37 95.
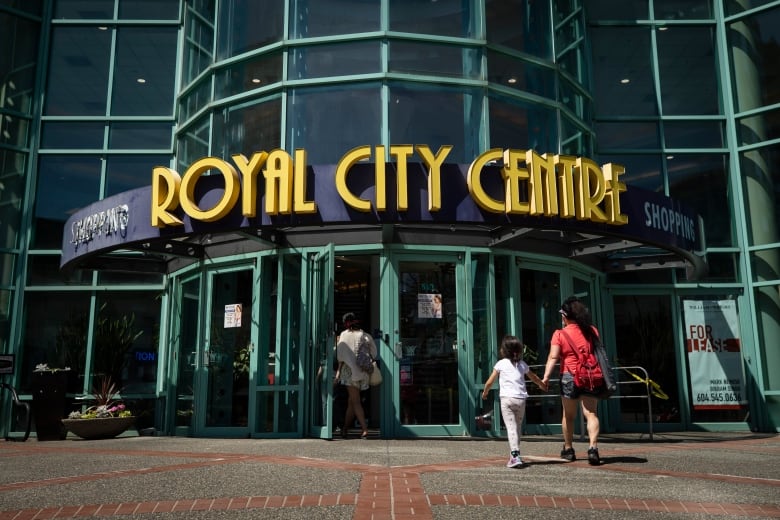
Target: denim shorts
pixel 570 391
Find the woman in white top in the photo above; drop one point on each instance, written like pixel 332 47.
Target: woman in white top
pixel 510 372
pixel 349 373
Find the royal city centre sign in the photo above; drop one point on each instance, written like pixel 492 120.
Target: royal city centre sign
pixel 543 185
pixel 377 185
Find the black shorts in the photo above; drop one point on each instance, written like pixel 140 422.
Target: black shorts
pixel 571 391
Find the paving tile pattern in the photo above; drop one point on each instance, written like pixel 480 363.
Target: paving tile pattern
pixel 723 476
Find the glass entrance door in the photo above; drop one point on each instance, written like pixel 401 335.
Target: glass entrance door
pixel 223 377
pixel 428 347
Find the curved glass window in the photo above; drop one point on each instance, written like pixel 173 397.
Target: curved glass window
pixel 517 124
pixel 683 9
pixel 144 71
pixel 629 10
pixel 64 183
pixel 198 38
pixel 687 70
pixel 310 19
pixel 328 121
pixel 512 72
pixel 336 59
pixel 760 180
pixel 519 25
pixel 436 116
pixel 700 181
pixel 575 100
pixel 249 24
pixel 249 75
pixel 13 165
pixel 84 9
pixel 623 82
pixel 436 60
pixel 19 54
pixel 248 129
pixel 139 136
pixel 78 66
pixel 127 172
pixel 193 143
pixel 70 135
pixel 628 135
pixel 149 9
pixel 694 134
pixel 441 18
pixel 195 99
pixel 753 47
pixel 642 170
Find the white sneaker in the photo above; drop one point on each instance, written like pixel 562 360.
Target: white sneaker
pixel 514 462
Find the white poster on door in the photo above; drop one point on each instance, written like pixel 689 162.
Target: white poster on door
pixel 429 305
pixel 232 315
pixel 714 354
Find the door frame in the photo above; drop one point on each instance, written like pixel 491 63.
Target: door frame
pixel 320 294
pixel 390 293
pixel 201 382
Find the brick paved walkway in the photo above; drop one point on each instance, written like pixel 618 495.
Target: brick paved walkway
pixel 385 492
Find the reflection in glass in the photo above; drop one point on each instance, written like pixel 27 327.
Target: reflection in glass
pixel 694 134
pixel 126 172
pixel 429 364
pixel 84 9
pixel 185 348
pixel 540 299
pixel 644 337
pixel 193 143
pixel 437 116
pixel 634 135
pixel 248 24
pixel 65 183
pixel 642 170
pixel 435 60
pixel 13 165
pixel 518 124
pixel 229 348
pixel 78 71
pixel 687 70
pixel 249 75
pixel 311 19
pixel 520 25
pixel 148 9
pixel 248 129
pixel 441 18
pixel 700 182
pixel 327 121
pixel 198 38
pixel 629 89
pixel 144 71
pixel 143 135
pixel 338 59
pixel 753 42
pixel 512 72
pixel 50 336
pixel 73 136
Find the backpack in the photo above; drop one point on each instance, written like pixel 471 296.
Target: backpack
pixel 363 357
pixel 587 374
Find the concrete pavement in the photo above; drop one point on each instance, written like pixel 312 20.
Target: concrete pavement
pixel 686 475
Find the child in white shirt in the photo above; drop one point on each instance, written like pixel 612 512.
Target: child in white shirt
pixel 511 371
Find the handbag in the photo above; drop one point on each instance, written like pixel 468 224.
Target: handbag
pixel 610 385
pixel 375 378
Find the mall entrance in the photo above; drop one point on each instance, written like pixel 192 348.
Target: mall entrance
pixel 252 345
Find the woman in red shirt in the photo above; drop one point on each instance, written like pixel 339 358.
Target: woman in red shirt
pixel 580 334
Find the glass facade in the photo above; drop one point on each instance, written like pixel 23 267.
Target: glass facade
pixel 94 94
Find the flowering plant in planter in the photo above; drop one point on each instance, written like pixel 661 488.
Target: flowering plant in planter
pixel 105 405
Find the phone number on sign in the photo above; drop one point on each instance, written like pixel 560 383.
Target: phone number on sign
pixel 719 397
